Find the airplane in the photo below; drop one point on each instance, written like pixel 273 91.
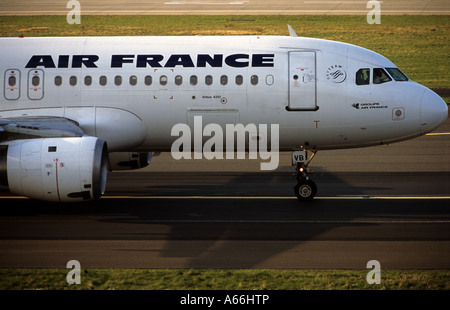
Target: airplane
pixel 74 108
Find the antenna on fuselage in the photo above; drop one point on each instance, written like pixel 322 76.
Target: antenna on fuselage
pixel 292 32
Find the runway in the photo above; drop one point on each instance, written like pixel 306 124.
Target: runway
pixel 192 231
pixel 199 217
pixel 224 7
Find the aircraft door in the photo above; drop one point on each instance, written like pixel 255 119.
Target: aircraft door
pixel 35 84
pixel 302 81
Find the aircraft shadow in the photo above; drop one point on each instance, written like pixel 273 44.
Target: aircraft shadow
pixel 258 220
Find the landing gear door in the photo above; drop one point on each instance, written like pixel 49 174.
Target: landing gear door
pixel 302 81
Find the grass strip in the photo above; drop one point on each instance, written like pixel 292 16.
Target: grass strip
pixel 222 279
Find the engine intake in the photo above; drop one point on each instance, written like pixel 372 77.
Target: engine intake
pixel 55 169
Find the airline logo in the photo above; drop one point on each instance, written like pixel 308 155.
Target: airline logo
pixel 154 61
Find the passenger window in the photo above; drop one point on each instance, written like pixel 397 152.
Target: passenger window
pixel 88 80
pixel 208 80
pixel 254 79
pixel 163 80
pixel 103 80
pixel 380 76
pixel 178 80
pixel 194 80
pixel 133 80
pixel 239 79
pixel 148 80
pixel 58 80
pixel 363 77
pixel 224 80
pixel 118 80
pixel 35 81
pixel 73 80
pixel 12 81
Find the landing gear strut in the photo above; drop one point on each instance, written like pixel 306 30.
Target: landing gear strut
pixel 305 189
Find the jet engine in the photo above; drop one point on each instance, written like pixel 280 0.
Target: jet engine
pixel 55 169
pixel 129 161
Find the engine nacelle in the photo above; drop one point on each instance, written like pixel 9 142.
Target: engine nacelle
pixel 129 161
pixel 55 169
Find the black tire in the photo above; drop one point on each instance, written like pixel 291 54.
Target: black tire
pixel 305 190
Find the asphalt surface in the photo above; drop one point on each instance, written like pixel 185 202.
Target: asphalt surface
pixel 228 7
pixel 198 217
pixel 217 224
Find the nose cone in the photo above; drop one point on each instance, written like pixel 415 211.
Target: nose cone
pixel 433 111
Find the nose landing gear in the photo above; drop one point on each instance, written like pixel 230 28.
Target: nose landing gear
pixel 305 189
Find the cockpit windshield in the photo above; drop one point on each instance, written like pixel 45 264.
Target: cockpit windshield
pixel 397 74
pixel 380 76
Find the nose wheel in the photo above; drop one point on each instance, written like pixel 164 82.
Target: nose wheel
pixel 305 189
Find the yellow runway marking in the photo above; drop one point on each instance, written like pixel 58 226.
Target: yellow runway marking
pixel 13 197
pixel 438 134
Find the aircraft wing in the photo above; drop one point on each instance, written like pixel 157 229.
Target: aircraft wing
pixel 38 127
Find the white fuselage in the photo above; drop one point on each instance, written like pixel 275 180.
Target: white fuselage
pixel 131 91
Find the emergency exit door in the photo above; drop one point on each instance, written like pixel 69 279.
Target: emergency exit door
pixel 302 81
pixel 11 88
pixel 35 84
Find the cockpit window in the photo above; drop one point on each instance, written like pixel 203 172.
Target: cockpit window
pixel 397 74
pixel 380 76
pixel 363 77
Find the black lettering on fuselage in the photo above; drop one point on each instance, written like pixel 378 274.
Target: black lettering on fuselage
pixel 179 60
pixel 155 61
pixel 78 61
pixel 151 60
pixel 118 60
pixel 63 61
pixel 203 59
pixel 87 60
pixel 185 60
pixel 232 60
pixel 45 61
pixel 262 60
